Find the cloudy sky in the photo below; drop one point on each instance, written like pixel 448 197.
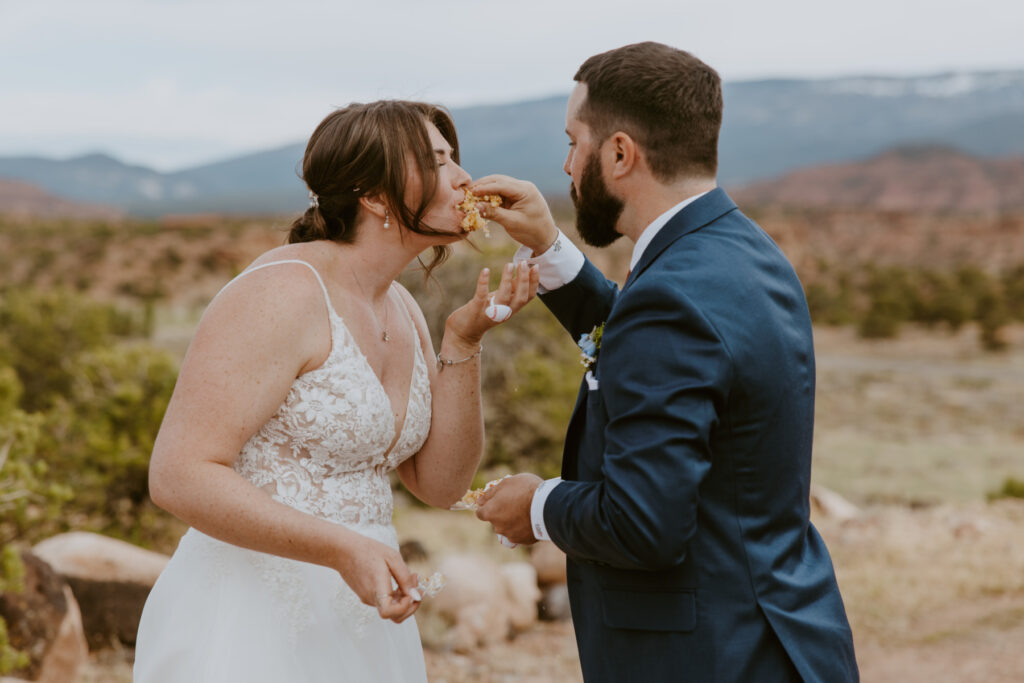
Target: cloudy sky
pixel 172 83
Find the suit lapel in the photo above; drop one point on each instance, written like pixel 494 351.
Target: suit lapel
pixel 694 216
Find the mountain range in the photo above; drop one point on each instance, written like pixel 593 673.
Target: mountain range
pixel 913 178
pixel 770 128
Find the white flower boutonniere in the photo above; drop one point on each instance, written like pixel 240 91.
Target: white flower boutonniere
pixel 590 344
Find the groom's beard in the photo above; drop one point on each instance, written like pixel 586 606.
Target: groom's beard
pixel 597 211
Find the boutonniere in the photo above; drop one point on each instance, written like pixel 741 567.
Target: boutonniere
pixel 590 344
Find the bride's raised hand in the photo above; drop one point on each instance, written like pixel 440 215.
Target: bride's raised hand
pixel 468 323
pixel 379 576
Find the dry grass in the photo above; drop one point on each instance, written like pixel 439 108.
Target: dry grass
pixel 925 418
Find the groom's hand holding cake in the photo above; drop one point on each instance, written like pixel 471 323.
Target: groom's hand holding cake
pixel 507 507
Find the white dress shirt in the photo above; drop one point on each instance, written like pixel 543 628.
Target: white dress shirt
pixel 558 266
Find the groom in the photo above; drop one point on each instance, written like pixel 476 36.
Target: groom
pixel 683 502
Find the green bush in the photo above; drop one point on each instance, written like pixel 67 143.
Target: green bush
pixel 86 403
pixel 42 333
pixel 531 369
pixel 100 437
pixel 1012 488
pixel 27 498
pixel 891 299
pixel 1013 290
pixel 832 303
pixel 941 300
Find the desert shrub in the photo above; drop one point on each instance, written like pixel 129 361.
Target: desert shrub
pixel 1013 292
pixel 27 497
pixel 531 369
pixel 1012 488
pixel 30 499
pixel 832 302
pixel 41 334
pixel 891 299
pixel 89 402
pixel 100 437
pixel 989 305
pixel 940 299
pixel 530 384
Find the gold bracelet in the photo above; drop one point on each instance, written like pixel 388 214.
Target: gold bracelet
pixel 442 362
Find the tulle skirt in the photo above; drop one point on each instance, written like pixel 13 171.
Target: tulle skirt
pixel 220 614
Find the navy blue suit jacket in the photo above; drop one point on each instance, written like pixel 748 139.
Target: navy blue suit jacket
pixel 685 507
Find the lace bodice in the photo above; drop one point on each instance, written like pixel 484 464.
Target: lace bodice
pixel 328 449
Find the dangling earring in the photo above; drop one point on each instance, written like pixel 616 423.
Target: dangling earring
pixel 387 220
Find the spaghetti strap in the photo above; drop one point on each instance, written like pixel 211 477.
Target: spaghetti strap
pixel 245 272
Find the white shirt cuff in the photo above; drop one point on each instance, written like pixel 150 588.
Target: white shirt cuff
pixel 557 266
pixel 537 507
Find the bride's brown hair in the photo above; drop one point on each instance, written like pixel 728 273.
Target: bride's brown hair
pixel 362 150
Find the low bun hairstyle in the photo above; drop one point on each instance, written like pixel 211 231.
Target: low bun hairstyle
pixel 364 149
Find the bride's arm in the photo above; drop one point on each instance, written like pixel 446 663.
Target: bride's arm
pixel 256 337
pixel 443 469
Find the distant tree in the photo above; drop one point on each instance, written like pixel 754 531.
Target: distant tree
pixel 940 299
pixel 992 315
pixel 891 300
pixel 1013 292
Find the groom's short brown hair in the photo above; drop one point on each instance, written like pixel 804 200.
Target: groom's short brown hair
pixel 666 99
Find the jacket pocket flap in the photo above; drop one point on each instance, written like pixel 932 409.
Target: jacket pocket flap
pixel 650 611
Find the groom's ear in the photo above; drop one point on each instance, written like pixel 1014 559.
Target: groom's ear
pixel 624 154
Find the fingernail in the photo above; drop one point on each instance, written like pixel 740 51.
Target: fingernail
pixel 487 271
pixel 416 595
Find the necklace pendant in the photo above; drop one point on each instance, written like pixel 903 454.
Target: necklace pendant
pixel 385 336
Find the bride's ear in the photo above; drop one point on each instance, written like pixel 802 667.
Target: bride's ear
pixel 374 204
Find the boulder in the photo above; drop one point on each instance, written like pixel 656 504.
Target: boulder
pixel 554 602
pixel 44 621
pixel 485 602
pixel 521 593
pixel 111 580
pixel 829 504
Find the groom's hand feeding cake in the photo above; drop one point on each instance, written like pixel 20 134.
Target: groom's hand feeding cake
pixel 473 220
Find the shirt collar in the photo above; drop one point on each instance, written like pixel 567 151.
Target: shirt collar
pixel 655 227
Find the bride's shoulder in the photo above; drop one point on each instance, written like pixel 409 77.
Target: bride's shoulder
pixel 284 279
pixel 310 252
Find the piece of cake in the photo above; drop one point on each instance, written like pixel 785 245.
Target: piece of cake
pixel 473 221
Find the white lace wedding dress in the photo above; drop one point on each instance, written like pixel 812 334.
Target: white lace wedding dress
pixel 220 613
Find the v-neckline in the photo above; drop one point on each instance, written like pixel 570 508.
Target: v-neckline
pixel 397 432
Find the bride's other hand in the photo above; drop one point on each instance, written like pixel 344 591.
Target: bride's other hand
pixel 372 569
pixel 468 323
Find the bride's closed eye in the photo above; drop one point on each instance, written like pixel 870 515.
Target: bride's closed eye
pixel 442 156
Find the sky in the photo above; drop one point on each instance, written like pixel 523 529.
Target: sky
pixel 170 84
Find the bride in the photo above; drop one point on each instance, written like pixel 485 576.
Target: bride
pixel 311 377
